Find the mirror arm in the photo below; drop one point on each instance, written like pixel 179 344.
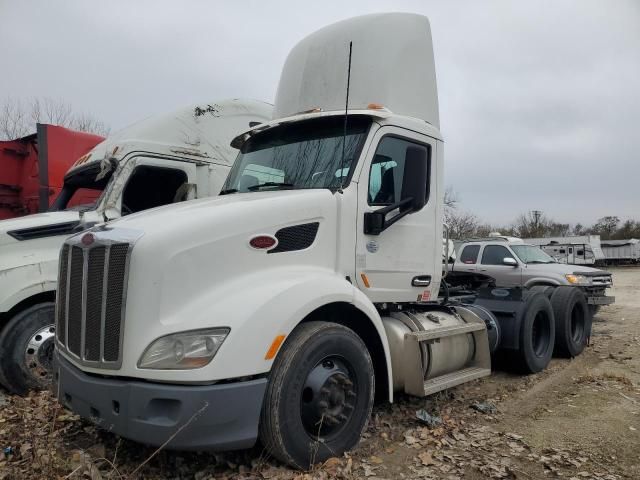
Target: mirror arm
pixel 375 222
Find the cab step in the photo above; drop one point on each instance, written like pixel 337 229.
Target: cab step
pixel 449 380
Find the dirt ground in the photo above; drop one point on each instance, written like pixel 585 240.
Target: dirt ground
pixel 579 419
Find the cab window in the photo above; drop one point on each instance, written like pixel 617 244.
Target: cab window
pixel 387 171
pixel 495 254
pixel 150 187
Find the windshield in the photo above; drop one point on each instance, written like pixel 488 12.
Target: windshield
pixel 82 189
pixel 531 254
pixel 301 155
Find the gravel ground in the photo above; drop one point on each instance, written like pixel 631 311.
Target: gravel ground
pixel 580 419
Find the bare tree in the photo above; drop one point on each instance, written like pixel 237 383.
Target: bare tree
pixel 18 118
pixel 14 120
pixel 461 224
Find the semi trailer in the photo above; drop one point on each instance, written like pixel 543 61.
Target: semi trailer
pixel 281 309
pixel 164 159
pixel 32 168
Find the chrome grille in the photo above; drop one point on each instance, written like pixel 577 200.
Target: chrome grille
pixel 91 292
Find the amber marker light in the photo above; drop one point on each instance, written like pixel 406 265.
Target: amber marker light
pixel 275 345
pixel 365 280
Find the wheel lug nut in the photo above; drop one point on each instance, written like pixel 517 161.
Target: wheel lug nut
pixel 342 417
pixel 324 391
pixel 351 393
pixel 323 405
pixel 332 381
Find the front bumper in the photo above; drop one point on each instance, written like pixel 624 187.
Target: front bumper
pixel 151 413
pixel 600 300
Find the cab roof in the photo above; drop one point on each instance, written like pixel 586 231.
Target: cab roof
pixel 201 132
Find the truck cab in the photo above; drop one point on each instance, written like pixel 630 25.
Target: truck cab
pixel 164 159
pixel 282 308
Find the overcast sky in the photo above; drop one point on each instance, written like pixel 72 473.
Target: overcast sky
pixel 540 101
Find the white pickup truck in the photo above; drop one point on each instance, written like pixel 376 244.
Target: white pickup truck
pixel 281 309
pixel 164 159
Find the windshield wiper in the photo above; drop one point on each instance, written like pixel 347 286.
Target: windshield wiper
pixel 253 188
pixel 228 190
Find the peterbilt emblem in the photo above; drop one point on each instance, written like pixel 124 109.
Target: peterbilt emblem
pixel 88 239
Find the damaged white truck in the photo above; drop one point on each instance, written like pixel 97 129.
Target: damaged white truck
pixel 164 159
pixel 280 310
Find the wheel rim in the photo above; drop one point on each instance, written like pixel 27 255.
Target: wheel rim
pixel 577 323
pixel 328 397
pixel 540 334
pixel 38 354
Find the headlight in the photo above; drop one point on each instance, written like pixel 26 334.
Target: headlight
pixel 184 350
pixel 577 279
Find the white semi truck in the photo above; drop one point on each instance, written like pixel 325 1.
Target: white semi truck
pixel 164 159
pixel 279 310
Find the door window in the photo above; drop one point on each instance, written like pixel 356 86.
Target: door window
pixel 495 254
pixel 469 254
pixel 387 171
pixel 150 187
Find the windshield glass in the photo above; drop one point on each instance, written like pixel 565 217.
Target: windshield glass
pixel 301 155
pixel 82 189
pixel 531 254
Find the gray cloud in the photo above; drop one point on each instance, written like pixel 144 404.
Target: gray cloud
pixel 540 101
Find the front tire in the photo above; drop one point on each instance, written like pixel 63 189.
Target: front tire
pixel 319 397
pixel 26 349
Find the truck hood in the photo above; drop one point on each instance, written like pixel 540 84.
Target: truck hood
pixel 230 212
pixel 37 226
pixel 586 271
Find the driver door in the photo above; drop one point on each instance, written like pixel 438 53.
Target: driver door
pixel 388 264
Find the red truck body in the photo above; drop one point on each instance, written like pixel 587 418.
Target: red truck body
pixel 32 169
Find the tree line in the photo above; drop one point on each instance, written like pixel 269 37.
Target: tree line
pixel 18 117
pixel 533 224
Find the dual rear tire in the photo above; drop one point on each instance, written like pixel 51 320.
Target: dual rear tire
pixel 573 320
pixel 556 320
pixel 537 335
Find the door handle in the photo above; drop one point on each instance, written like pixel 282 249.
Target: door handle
pixel 421 281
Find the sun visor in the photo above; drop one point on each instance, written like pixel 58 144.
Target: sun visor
pixel 391 64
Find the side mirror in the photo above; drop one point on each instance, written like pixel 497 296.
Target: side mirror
pixel 511 262
pixel 414 181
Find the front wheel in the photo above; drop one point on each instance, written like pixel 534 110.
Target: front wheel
pixel 26 349
pixel 319 397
